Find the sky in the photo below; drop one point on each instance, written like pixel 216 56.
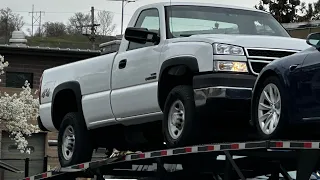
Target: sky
pixel 61 10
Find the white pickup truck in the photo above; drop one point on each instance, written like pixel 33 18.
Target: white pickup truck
pixel 180 68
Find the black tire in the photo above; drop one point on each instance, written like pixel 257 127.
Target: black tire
pixel 83 148
pixel 281 128
pixel 190 132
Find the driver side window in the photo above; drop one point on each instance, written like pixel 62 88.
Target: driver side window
pixel 147 19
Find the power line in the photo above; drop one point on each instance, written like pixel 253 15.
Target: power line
pixel 114 12
pixel 54 12
pixel 72 12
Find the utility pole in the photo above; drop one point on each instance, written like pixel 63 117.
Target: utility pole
pixel 92 35
pixel 7 28
pixel 32 19
pixel 92 22
pixel 40 25
pixel 36 18
pixel 122 9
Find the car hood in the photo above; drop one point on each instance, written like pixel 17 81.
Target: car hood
pixel 254 41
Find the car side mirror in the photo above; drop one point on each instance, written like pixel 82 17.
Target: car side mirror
pixel 313 39
pixel 141 35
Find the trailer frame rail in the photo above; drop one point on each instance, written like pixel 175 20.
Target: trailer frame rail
pixel 309 153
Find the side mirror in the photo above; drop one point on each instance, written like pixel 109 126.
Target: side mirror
pixel 141 35
pixel 313 39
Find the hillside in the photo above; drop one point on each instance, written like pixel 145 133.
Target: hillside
pixel 68 41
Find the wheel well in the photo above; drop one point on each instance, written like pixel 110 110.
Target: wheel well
pixel 265 75
pixel 64 102
pixel 171 77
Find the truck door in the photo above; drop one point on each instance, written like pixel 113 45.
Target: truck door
pixel 135 76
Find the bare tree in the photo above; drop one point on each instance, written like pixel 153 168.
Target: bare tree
pixel 9 22
pixel 54 29
pixel 105 19
pixel 77 22
pixel 17 22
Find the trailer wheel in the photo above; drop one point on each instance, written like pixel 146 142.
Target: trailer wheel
pixel 180 126
pixel 74 145
pixel 269 109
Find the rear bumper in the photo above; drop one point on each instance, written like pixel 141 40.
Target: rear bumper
pixel 42 128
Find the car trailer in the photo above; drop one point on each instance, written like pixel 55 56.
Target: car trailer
pixel 256 158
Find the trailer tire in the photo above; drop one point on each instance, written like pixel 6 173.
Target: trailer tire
pixel 180 97
pixel 73 132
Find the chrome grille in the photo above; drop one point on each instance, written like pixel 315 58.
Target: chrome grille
pixel 258 58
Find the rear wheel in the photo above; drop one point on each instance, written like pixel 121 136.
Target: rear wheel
pixel 180 126
pixel 74 145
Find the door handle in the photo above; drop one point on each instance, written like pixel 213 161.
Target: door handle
pixel 293 67
pixel 122 64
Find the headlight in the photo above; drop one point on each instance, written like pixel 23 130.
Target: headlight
pixel 226 49
pixel 230 66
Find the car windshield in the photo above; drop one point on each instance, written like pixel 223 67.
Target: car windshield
pixel 190 20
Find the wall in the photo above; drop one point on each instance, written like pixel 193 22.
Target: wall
pixel 302 33
pixel 31 64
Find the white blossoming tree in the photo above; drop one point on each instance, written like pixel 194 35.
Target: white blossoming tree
pixel 16 111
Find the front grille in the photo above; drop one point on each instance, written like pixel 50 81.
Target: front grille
pixel 269 53
pixel 258 58
pixel 257 66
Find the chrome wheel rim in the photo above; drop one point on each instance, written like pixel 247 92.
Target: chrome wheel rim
pixel 68 143
pixel 269 108
pixel 176 119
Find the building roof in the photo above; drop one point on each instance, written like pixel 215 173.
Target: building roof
pixel 47 51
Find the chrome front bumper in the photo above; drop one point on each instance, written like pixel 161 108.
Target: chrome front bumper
pixel 219 92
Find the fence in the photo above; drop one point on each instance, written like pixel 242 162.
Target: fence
pixel 302 32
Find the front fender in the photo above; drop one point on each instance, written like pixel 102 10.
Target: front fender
pixel 189 61
pixel 201 51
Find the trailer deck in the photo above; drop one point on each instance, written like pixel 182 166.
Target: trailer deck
pixel 258 158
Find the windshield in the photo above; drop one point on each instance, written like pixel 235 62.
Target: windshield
pixel 190 20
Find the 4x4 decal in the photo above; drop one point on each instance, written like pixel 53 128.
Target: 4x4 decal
pixel 45 93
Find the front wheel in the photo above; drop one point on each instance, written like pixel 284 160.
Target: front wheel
pixel 180 126
pixel 74 145
pixel 269 109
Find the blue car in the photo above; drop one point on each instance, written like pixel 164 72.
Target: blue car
pixel 287 92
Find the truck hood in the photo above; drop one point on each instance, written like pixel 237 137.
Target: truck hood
pixel 253 41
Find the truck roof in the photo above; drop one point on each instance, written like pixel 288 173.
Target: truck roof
pixel 161 4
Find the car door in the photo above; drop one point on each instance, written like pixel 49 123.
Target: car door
pixel 135 76
pixel 309 87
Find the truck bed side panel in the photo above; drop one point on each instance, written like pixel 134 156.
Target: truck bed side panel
pixel 93 76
